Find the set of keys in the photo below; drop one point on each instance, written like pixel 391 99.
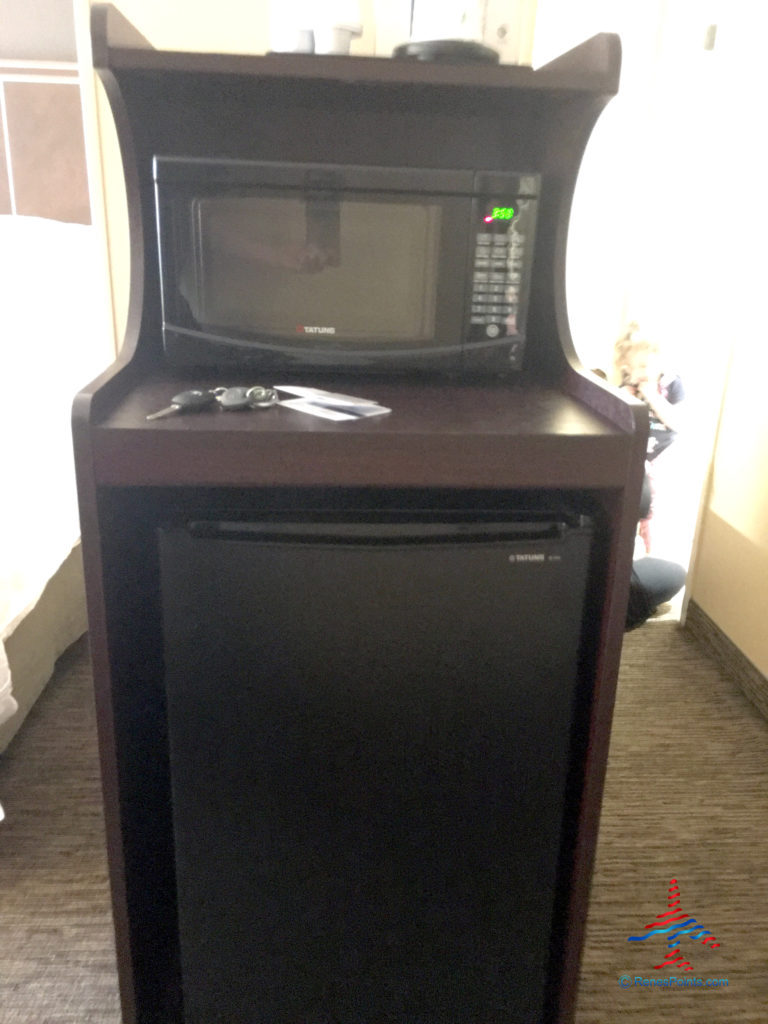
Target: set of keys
pixel 229 399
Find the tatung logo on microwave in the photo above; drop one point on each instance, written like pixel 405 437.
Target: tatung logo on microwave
pixel 303 329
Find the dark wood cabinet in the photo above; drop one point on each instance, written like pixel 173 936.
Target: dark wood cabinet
pixel 555 431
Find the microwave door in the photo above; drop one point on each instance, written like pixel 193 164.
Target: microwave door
pixel 363 272
pixel 324 278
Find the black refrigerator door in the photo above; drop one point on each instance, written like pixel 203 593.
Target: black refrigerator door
pixel 369 740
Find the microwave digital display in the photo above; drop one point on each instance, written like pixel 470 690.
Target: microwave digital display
pixel 500 213
pixel 313 266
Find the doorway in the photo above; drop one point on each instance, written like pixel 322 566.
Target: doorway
pixel 647 239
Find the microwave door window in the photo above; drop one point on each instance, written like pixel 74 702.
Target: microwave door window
pixel 365 270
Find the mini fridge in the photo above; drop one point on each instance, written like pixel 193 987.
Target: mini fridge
pixel 370 717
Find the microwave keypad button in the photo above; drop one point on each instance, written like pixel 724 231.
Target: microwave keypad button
pixel 493 330
pixel 497 277
pixel 481 277
pixel 477 320
pixel 480 262
pixel 484 239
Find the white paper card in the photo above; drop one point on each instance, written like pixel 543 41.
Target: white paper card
pixel 304 405
pixel 325 397
pixel 329 405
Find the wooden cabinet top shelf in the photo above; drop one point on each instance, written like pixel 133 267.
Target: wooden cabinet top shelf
pixel 358 70
pixel 437 435
pixel 593 66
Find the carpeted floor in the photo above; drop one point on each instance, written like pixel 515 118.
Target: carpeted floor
pixel 57 960
pixel 686 799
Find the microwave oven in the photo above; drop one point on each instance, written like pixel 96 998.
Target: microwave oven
pixel 354 268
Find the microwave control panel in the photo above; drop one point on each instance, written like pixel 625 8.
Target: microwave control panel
pixel 500 275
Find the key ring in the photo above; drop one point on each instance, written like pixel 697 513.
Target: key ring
pixel 261 398
pixel 235 398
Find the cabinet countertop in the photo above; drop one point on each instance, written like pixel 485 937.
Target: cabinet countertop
pixel 437 434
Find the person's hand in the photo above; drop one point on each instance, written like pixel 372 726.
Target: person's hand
pixel 667 413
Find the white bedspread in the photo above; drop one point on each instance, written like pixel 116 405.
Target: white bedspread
pixel 55 336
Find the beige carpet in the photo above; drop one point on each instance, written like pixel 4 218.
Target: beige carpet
pixel 686 798
pixel 57 961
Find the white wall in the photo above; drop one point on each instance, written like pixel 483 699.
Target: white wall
pixel 730 579
pixel 667 228
pixel 226 26
pixel 37 30
pixel 640 187
pixel 642 230
pixel 243 26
